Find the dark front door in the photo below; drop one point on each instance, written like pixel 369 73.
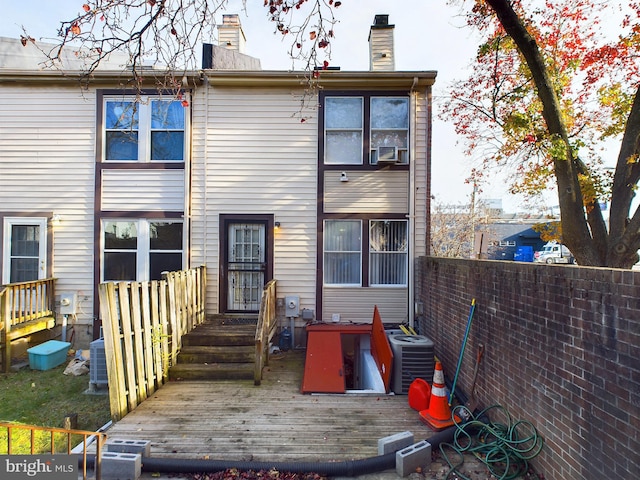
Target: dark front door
pixel 247 262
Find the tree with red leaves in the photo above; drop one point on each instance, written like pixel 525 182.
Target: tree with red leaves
pixel 546 90
pixel 167 33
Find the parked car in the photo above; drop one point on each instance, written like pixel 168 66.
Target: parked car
pixel 554 252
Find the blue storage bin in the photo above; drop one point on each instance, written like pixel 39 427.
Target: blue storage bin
pixel 48 355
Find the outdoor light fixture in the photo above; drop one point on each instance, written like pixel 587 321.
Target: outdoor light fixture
pixel 56 219
pixel 276 225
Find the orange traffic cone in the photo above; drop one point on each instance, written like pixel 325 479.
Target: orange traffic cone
pixel 438 415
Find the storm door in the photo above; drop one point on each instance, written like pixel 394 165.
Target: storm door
pixel 246 267
pixel 25 251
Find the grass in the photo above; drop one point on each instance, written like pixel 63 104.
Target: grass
pixel 45 398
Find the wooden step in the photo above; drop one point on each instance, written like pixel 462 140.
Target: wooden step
pixel 218 335
pixel 217 354
pixel 220 349
pixel 211 371
pixel 218 340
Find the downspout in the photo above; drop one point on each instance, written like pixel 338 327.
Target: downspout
pixel 412 201
pixel 187 217
pixel 205 168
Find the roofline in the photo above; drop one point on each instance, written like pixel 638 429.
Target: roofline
pixel 77 76
pixel 326 78
pixel 252 78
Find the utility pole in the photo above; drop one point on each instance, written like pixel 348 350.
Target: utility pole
pixel 472 209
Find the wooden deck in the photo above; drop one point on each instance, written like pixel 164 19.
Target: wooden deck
pixel 235 420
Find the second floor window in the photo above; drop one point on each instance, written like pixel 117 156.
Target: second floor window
pixel 147 131
pixel 366 129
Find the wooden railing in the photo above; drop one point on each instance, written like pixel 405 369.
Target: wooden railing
pixel 21 439
pixel 265 329
pixel 25 308
pixel 143 324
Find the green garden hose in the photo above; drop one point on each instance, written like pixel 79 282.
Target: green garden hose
pixel 504 446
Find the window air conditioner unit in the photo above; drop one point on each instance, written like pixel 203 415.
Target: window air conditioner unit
pixel 387 154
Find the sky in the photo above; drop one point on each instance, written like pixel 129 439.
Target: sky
pixel 428 35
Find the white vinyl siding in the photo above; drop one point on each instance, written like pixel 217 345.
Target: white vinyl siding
pixel 47 139
pixel 366 191
pixel 419 128
pixel 356 304
pixel 381 48
pixel 148 190
pixel 257 158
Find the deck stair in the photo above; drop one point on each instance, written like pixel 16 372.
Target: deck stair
pixel 222 348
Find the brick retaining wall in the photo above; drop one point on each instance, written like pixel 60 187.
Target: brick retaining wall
pixel 562 350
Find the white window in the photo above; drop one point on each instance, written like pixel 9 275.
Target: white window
pixel 389 130
pixel 152 130
pixel 342 252
pixel 388 253
pixel 343 124
pixel 141 249
pixel 380 120
pixel 25 249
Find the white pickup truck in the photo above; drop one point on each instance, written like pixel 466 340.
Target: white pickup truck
pixel 554 252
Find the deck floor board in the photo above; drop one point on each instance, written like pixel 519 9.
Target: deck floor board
pixel 236 420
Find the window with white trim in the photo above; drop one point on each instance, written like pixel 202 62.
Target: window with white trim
pixel 152 130
pixel 343 252
pixel 370 126
pixel 141 249
pixel 343 130
pixel 387 260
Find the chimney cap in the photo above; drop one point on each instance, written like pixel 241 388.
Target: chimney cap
pixel 230 19
pixel 381 21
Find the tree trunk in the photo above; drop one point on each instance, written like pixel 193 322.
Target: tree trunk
pixel 624 231
pixel 584 230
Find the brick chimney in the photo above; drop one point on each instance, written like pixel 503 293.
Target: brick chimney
pixel 230 34
pixel 381 55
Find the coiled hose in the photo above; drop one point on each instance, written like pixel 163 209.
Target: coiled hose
pixel 505 448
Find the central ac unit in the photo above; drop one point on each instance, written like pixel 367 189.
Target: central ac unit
pixel 97 365
pixel 412 358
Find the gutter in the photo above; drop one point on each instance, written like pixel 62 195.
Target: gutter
pixel 253 78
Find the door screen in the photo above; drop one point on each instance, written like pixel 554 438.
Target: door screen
pixel 246 266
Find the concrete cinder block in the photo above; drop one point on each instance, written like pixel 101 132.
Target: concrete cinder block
pixel 143 447
pixel 121 466
pixel 395 442
pixel 410 458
